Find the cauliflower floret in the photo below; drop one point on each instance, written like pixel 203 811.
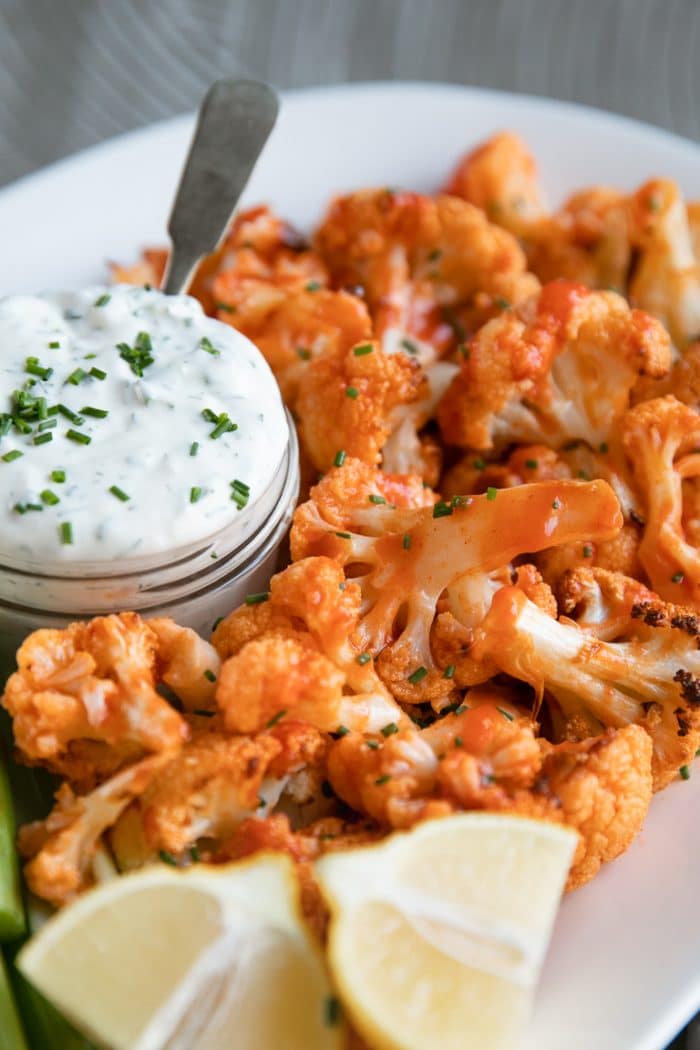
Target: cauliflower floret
pixel 683 381
pixel 602 787
pixel 84 701
pixel 333 421
pixel 661 438
pixel 666 278
pixel 406 450
pixel 602 602
pixel 306 325
pixel 294 657
pixel 186 663
pixel 429 268
pixel 61 848
pixel 587 240
pixel 591 684
pixel 560 367
pixel 403 561
pixel 473 474
pixel 500 177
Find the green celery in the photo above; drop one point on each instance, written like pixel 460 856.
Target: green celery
pixel 11 1034
pixel 12 922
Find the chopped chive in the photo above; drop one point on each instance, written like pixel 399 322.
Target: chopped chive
pixel 364 348
pixel 66 532
pixel 138 356
pixel 434 255
pixel 352 392
pixel 257 599
pixel 677 577
pixel 211 417
pixel 491 492
pixel 343 535
pixel 209 675
pixel 240 493
pixel 409 346
pixel 75 435
pixel 376 499
pixel 506 714
pixel 418 675
pixel 59 476
pixel 342 731
pixel 34 368
pixel 76 376
pixel 479 463
pixel 442 509
pixel 226 307
pixel 119 493
pixel 406 542
pixel 96 413
pixel 587 550
pixel 223 426
pixel 194 448
pixel 556 504
pixel 43 439
pixel 460 709
pixel 449 671
pixel 363 658
pixel 49 498
pixel 206 344
pixel 54 344
pixel 458 741
pixel 339 458
pixel 97 373
pixel 195 855
pixel 71 416
pixel 22 508
pixel 372 744
pixel 303 353
pixel 531 464
pixel 167 858
pixel 390 729
pixel 14 454
pixel 684 772
pixel 195 493
pixel 47 424
pixel 276 718
pixel 603 447
pixel 89 357
pixel 383 779
pixel 464 351
pixel 312 286
pixel 103 300
pixel 501 303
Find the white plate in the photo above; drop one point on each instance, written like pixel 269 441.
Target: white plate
pixel 623 972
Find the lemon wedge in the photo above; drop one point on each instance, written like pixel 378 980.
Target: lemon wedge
pixel 208 958
pixel 437 936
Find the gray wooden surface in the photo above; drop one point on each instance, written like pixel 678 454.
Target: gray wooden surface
pixel 73 72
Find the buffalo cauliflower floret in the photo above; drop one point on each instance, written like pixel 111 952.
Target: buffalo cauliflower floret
pixel 666 278
pixel 586 240
pixel 346 402
pixel 558 368
pixel 403 561
pixel 661 438
pixel 429 267
pixel 306 325
pixel 406 450
pixel 186 663
pixel 84 700
pixel 500 177
pixel 591 684
pixel 61 849
pixel 683 381
pixel 293 656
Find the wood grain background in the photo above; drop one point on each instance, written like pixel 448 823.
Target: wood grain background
pixel 74 72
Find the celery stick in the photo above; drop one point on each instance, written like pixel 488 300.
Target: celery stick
pixel 12 922
pixel 11 1034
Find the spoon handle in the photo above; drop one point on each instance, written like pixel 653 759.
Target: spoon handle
pixel 235 120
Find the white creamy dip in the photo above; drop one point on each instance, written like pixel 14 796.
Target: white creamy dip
pixel 144 426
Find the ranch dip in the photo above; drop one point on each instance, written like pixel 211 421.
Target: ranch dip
pixel 131 425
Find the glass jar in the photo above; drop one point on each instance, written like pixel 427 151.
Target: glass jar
pixel 194 586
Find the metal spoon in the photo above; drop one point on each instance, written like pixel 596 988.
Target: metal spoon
pixel 235 120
